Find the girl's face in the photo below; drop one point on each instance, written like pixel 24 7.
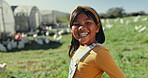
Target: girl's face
pixel 84 29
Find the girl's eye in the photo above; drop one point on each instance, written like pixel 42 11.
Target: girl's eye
pixel 76 24
pixel 88 23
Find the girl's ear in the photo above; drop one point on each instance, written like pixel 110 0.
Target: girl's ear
pixel 98 28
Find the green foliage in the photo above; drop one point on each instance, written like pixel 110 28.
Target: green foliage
pixel 115 12
pixel 119 12
pixel 62 18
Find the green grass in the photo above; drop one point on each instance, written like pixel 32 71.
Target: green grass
pixel 127 46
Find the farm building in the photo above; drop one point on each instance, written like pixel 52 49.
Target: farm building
pixel 48 18
pixel 7 21
pixel 61 16
pixel 27 18
pixel 53 17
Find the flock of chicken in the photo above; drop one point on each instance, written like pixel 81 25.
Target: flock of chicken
pixel 10 44
pixel 138 27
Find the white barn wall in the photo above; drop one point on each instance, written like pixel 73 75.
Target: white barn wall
pixel 52 16
pixel 48 17
pixel 27 18
pixel 7 21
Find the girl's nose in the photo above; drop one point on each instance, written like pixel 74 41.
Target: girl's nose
pixel 81 27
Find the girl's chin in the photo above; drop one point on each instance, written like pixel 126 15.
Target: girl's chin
pixel 83 41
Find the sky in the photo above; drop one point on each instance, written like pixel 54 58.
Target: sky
pixel 101 6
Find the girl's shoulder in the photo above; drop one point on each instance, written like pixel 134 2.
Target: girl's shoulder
pixel 100 49
pixel 101 52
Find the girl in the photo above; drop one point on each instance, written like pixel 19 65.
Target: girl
pixel 89 59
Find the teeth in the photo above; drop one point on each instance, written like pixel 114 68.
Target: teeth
pixel 83 34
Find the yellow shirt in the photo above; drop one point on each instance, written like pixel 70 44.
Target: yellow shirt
pixel 95 63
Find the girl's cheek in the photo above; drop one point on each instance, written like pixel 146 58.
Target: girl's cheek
pixel 74 32
pixel 74 29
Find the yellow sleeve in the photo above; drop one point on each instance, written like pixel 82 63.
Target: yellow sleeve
pixel 106 63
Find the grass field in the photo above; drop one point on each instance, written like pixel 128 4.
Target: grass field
pixel 127 46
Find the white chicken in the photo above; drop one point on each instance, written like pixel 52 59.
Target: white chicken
pixel 2 67
pixel 2 48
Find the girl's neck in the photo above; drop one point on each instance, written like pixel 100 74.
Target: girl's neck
pixel 87 44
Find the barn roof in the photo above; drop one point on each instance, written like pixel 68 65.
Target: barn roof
pixel 24 9
pixel 46 11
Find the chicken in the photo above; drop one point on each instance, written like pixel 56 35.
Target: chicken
pixel 2 67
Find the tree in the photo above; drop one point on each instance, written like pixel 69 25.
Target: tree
pixel 115 12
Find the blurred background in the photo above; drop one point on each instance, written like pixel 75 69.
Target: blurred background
pixel 35 36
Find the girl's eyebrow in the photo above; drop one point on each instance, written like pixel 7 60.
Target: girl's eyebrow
pixel 84 19
pixel 88 19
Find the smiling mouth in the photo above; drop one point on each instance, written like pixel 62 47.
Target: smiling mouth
pixel 83 34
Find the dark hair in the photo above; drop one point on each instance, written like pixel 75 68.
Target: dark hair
pixel 100 37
